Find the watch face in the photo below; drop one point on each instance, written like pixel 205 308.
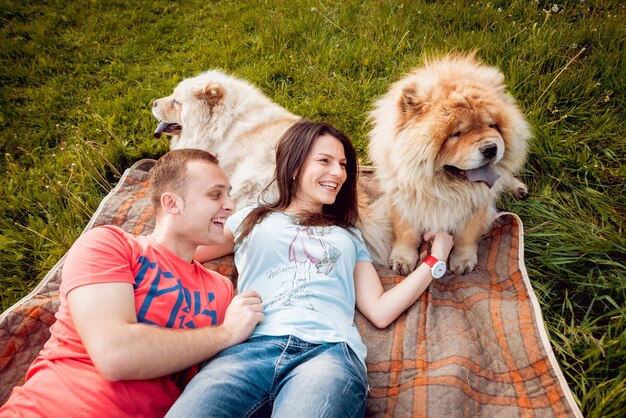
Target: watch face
pixel 438 270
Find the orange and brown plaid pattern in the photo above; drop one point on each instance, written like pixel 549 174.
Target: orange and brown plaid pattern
pixel 472 345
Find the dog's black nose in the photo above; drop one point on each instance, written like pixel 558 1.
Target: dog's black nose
pixel 155 103
pixel 489 150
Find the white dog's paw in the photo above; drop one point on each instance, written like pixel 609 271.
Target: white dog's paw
pixel 403 259
pixel 462 262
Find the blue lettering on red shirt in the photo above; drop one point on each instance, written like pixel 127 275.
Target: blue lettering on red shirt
pixel 166 290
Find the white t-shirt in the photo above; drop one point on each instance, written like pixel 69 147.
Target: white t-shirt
pixel 305 276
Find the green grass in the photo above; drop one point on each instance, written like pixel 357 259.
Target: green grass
pixel 78 77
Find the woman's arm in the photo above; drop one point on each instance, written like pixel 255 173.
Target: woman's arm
pixel 211 252
pixel 382 308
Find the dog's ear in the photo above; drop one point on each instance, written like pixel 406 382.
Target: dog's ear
pixel 212 94
pixel 411 103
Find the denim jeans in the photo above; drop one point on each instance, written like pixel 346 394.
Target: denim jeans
pixel 280 377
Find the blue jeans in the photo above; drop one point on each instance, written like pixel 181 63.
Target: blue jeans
pixel 278 376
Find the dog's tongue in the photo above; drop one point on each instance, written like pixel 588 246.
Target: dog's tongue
pixel 484 174
pixel 160 128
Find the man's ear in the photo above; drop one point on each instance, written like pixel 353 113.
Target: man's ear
pixel 172 203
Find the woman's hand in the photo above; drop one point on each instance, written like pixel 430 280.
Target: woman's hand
pixel 440 244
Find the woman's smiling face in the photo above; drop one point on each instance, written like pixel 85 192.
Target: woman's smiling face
pixel 321 176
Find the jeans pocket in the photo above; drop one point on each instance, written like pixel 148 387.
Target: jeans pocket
pixel 356 364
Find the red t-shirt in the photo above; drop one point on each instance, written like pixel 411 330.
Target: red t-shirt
pixel 169 292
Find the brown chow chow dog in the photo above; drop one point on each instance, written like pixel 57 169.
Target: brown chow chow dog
pixel 446 140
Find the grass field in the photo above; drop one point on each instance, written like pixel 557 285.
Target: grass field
pixel 78 78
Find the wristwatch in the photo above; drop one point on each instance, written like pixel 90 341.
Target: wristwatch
pixel 437 267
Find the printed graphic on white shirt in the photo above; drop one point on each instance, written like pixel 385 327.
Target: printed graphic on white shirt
pixel 309 256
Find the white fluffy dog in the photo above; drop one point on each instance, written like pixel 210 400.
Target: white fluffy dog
pixel 231 119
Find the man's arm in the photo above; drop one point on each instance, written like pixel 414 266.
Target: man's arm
pixel 123 349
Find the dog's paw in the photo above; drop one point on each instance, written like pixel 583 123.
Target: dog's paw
pixel 403 259
pixel 519 190
pixel 463 263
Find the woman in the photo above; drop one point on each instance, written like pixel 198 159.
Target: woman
pixel 308 262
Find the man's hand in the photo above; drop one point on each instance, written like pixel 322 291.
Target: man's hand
pixel 242 316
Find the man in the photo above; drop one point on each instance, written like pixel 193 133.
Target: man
pixel 136 311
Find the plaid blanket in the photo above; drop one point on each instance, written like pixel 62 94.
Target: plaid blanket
pixel 472 345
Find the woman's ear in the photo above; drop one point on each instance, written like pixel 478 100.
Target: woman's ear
pixel 172 203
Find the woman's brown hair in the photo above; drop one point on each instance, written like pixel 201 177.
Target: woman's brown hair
pixel 291 153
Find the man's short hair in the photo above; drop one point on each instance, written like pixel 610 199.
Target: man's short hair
pixel 169 174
